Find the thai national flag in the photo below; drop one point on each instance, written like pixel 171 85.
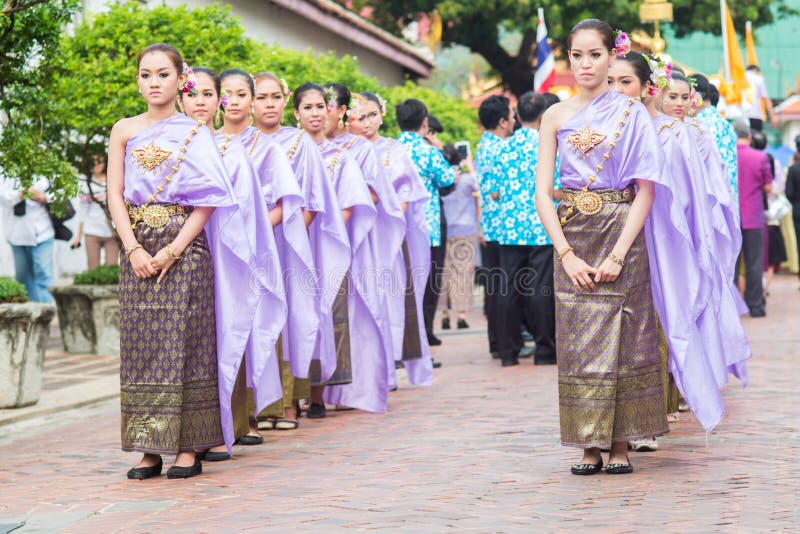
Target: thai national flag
pixel 545 61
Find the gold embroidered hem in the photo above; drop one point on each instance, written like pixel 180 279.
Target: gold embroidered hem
pixel 609 369
pixel 168 356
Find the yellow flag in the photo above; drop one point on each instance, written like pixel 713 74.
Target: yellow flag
pixel 752 58
pixel 734 60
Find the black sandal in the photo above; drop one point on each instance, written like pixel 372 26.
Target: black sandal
pixel 619 469
pixel 316 411
pixel 587 469
pixel 286 424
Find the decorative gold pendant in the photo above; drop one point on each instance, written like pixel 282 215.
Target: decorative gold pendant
pixel 588 202
pixel 586 139
pixel 155 216
pixel 151 156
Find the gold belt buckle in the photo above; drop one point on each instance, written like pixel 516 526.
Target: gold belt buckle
pixel 588 202
pixel 156 216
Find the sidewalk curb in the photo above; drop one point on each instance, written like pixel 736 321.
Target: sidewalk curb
pixel 49 410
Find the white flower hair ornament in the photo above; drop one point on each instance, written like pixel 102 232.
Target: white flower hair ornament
pixel 660 74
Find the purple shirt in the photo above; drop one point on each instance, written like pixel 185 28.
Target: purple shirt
pixel 754 174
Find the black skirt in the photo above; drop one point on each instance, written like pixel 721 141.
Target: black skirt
pixel 777 250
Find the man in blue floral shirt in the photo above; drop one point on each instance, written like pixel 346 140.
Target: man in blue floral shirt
pixel 526 253
pixel 497 118
pixel 723 132
pixel 412 118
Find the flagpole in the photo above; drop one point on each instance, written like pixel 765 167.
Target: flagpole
pixel 726 66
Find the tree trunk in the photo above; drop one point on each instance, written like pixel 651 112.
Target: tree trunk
pixel 516 72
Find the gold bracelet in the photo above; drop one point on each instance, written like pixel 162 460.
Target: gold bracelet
pixel 131 250
pixel 171 255
pixel 616 259
pixel 564 251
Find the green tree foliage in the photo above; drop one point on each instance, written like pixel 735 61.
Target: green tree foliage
pixel 30 31
pixel 91 82
pixel 476 24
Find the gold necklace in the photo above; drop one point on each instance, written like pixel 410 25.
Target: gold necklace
pixel 151 155
pixel 588 202
pixel 388 152
pixel 293 149
pixel 339 152
pixel 158 216
pixel 224 146
pixel 253 144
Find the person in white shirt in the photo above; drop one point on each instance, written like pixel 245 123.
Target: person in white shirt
pixel 30 233
pixel 92 220
pixel 755 113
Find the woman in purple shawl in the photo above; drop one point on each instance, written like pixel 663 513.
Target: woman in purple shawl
pixel 609 369
pixel 348 305
pixel 260 281
pixel 724 219
pixel 685 273
pixel 180 222
pixel 330 247
pixel 281 193
pixel 378 277
pixel 410 345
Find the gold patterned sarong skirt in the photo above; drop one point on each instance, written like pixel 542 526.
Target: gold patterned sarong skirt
pixel 412 343
pixel 168 357
pixel 609 370
pixel 341 336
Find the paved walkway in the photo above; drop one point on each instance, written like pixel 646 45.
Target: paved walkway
pixel 478 452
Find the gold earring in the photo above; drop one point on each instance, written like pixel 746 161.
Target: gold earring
pixel 341 122
pixel 217 119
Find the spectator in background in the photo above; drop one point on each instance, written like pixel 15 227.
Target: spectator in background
pixel 497 119
pixel 30 233
pixel 756 112
pixel 755 179
pixel 793 189
pixel 774 247
pixel 92 220
pixel 462 213
pixel 721 130
pixel 526 252
pixel 412 118
pixel 434 129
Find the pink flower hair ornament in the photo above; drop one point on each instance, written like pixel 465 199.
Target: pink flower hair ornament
pixel 622 43
pixel 224 98
pixel 330 96
pixel 188 87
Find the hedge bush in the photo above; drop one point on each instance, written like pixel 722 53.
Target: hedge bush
pixel 93 78
pixel 12 291
pixel 103 275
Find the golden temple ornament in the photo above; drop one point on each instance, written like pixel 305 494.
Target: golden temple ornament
pixel 588 202
pixel 586 139
pixel 151 156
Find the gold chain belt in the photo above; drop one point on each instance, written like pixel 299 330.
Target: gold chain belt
pixel 155 215
pixel 575 197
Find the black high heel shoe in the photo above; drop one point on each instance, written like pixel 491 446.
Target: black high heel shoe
pixel 445 323
pixel 177 471
pixel 142 473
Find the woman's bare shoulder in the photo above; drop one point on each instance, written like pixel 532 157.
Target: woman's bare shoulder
pixel 126 128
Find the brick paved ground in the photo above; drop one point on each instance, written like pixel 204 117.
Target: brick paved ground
pixel 478 452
